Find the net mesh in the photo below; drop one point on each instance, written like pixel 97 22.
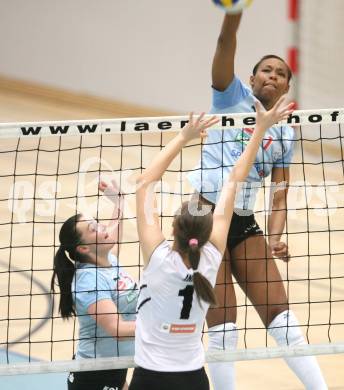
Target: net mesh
pixel 46 179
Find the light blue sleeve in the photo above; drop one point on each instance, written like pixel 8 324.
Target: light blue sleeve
pixel 288 150
pixel 231 96
pixel 91 287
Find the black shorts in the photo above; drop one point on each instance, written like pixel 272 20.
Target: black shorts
pixel 156 380
pixel 241 227
pixel 97 380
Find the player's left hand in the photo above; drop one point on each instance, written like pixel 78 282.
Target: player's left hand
pixel 111 191
pixel 278 112
pixel 197 127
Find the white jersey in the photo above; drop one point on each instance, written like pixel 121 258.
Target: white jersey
pixel 170 319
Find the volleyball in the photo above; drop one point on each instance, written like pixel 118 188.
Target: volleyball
pixel 232 6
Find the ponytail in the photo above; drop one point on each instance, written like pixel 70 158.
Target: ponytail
pixel 204 290
pixel 64 267
pixel 191 232
pixel 64 270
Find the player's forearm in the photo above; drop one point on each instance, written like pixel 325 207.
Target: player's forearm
pixel 115 326
pixel 240 171
pixel 229 28
pixel 118 207
pixel 223 62
pixel 105 314
pixel 116 223
pixel 244 164
pixel 125 329
pixel 276 222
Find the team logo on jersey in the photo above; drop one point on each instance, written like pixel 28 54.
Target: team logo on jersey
pixel 132 295
pixel 245 135
pixel 188 278
pixel 235 153
pixel 124 282
pixel 125 285
pixel 280 152
pixel 165 328
pixel 178 328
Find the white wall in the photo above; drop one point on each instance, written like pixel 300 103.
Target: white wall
pixel 151 52
pixel 322 53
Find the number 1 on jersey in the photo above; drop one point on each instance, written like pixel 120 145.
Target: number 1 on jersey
pixel 187 294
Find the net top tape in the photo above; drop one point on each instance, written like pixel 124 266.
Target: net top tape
pixel 156 124
pixel 43 367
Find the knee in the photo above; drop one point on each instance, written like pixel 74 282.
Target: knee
pixel 275 310
pixel 223 337
pixel 285 329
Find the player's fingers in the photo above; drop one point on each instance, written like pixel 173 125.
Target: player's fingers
pixel 211 121
pixel 259 107
pixel 190 118
pixel 279 102
pixel 199 119
pixel 102 185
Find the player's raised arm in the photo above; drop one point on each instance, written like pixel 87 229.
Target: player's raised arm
pixel 149 231
pixel 223 62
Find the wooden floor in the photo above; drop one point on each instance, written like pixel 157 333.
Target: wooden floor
pixel 311 250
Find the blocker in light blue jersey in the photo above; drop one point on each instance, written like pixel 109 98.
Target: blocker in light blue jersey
pixel 223 148
pixel 92 284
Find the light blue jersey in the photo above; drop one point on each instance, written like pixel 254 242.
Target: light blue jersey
pixel 92 284
pixel 223 148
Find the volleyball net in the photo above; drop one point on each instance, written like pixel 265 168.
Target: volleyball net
pixel 50 171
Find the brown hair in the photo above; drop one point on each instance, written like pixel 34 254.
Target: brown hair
pixel 64 268
pixel 272 56
pixel 189 225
